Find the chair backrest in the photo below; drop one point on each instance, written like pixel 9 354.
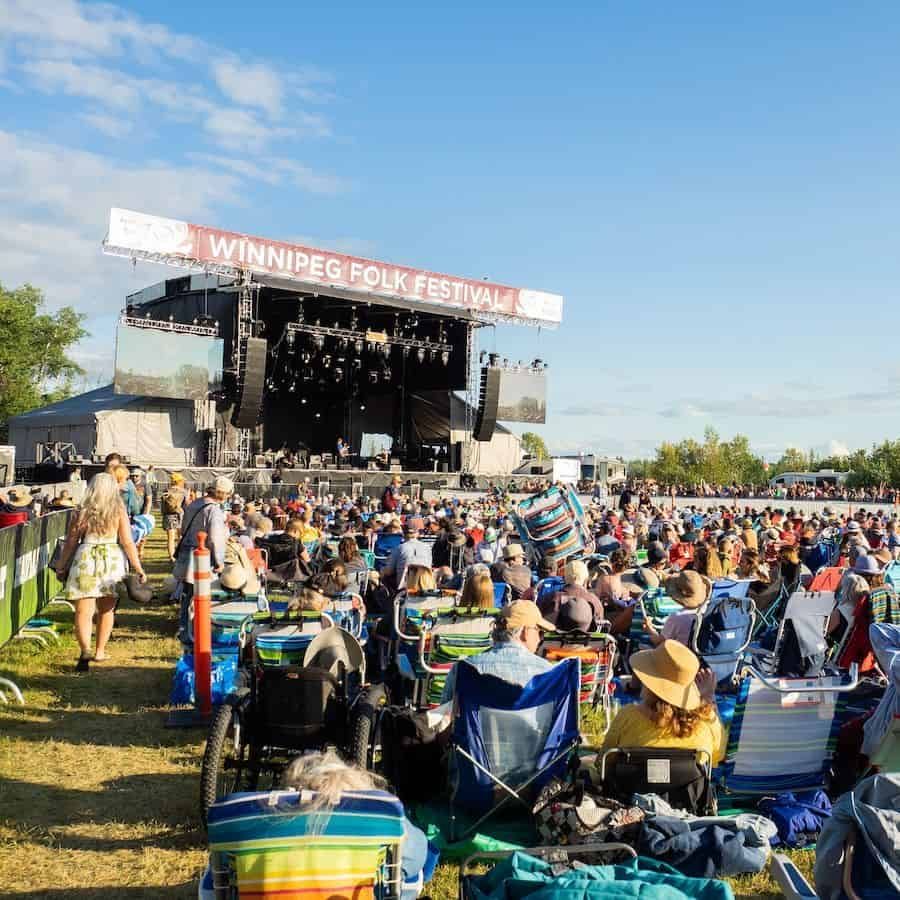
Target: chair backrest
pixel 780 741
pixel 516 733
pixel 349 850
pixel 547 587
pixel 451 641
pixel 385 544
pixel 722 634
pixel 596 653
pixel 502 593
pixel 681 777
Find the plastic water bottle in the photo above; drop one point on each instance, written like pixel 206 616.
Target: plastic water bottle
pixel 262 603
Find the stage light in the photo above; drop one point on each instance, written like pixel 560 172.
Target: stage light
pixel 385 350
pixel 373 376
pixel 445 357
pixel 307 374
pixel 303 401
pixel 319 341
pixel 318 415
pixel 289 337
pixel 338 374
pixel 362 407
pixel 405 352
pixel 431 355
pixel 358 346
pixel 305 356
pixel 171 318
pixel 292 386
pixel 357 363
pixel 386 373
pixel 270 384
pixel 420 353
pixel 326 360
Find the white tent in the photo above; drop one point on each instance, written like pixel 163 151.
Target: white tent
pixel 145 429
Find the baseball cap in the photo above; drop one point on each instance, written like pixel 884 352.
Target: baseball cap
pixel 525 614
pixel 575 614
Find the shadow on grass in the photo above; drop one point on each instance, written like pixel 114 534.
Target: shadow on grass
pixel 113 892
pixel 168 803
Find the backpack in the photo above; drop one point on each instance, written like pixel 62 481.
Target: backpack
pixel 171 502
pixel 409 748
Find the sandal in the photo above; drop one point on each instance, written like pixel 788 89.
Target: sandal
pixel 101 659
pixel 83 664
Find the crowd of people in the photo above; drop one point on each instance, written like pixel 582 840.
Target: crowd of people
pixel 469 546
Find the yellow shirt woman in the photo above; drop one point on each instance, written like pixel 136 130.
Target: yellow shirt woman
pixel 633 727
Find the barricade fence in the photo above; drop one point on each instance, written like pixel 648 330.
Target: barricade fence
pixel 27 584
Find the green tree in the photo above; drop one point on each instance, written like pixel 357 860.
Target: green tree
pixel 35 367
pixel 533 444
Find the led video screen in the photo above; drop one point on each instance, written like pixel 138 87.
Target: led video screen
pixel 523 397
pixel 156 363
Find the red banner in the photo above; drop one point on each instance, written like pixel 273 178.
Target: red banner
pixel 182 243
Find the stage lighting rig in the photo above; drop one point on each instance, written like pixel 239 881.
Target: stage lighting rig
pixel 372 341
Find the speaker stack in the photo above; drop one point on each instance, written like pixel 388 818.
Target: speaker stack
pixel 251 384
pixel 488 398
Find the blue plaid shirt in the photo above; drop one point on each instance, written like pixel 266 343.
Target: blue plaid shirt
pixel 507 660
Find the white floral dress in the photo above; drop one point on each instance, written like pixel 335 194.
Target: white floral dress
pixel 97 567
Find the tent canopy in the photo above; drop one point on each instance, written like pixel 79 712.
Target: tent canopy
pixel 146 429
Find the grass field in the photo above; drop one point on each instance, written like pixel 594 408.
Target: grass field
pixel 98 799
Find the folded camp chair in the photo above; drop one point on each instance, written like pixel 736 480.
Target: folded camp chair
pixel 683 778
pixel 597 652
pixel 722 633
pixel 508 740
pixel 268 845
pixel 784 732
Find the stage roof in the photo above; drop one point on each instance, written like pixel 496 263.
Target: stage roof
pixel 186 245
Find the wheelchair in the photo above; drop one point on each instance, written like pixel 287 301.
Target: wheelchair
pixel 301 686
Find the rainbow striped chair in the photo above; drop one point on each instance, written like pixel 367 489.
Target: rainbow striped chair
pixel 272 846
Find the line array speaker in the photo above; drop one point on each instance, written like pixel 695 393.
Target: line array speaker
pixel 488 398
pixel 251 383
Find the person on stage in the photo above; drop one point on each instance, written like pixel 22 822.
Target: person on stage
pixel 390 499
pixel 343 450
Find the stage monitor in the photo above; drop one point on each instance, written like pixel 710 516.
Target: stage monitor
pixel 523 397
pixel 151 362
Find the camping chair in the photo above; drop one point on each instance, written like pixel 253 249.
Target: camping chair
pixel 348 611
pixel 683 778
pixel 784 732
pixel 455 635
pixel 827 579
pixel 502 593
pixel 730 587
pixel 508 740
pixel 597 653
pixel 653 604
pixel 800 646
pixel 722 633
pixel 881 741
pixel 681 554
pixel 266 845
pixel 385 544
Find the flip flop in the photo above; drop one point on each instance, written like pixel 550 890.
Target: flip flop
pixel 83 664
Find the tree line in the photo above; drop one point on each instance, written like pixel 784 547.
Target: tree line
pixel 717 462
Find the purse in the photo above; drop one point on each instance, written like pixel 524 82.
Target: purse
pixel 56 556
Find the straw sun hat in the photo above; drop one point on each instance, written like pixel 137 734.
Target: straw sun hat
pixel 669 671
pixel 689 588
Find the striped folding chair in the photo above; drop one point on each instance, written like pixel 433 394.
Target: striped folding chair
pixel 784 733
pixel 597 653
pixel 273 846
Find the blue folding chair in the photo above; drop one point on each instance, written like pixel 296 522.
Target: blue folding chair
pixel 508 740
pixel 502 594
pixel 722 633
pixel 385 544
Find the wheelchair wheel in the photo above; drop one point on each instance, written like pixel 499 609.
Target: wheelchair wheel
pixel 361 734
pixel 225 764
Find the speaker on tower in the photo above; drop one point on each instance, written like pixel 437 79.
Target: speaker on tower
pixel 251 383
pixel 488 398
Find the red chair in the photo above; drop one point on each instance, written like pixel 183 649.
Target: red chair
pixel 681 554
pixel 12 518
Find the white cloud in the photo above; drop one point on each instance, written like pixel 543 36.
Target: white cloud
pixel 275 170
pixel 250 85
pixel 107 124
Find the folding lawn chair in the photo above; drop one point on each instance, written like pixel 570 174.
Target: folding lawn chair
pixel 881 740
pixel 269 845
pixel 655 605
pixel 784 732
pixel 385 544
pixel 827 579
pixel 508 740
pixel 597 653
pixel 502 593
pixel 730 587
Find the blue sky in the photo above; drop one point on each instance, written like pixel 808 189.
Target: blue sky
pixel 714 190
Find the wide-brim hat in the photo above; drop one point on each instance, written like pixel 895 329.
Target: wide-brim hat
pixel 235 577
pixel 688 588
pixel 511 551
pixel 19 496
pixel 669 671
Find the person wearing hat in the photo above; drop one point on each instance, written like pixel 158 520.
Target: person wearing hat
pixel 748 535
pixel 516 636
pixel 677 709
pixel 690 590
pixel 650 575
pixel 487 550
pixel 391 499
pixel 207 515
pixel 172 504
pixel 410 552
pixel 512 570
pixel 18 500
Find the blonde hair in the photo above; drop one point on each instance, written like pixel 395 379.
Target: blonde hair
pixel 121 474
pixel 478 592
pixel 672 721
pixel 419 579
pixel 102 505
pixel 328 776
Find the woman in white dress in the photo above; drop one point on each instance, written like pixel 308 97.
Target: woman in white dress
pixel 94 553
